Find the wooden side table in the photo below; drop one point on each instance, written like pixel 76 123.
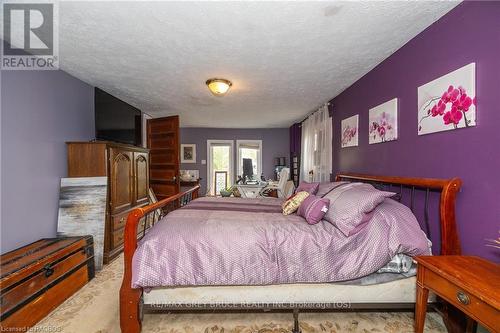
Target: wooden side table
pixel 471 284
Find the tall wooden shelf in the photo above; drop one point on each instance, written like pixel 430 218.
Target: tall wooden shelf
pixel 163 144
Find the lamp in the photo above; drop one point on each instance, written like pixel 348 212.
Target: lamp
pixel 218 87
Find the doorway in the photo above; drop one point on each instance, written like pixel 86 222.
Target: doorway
pixel 220 168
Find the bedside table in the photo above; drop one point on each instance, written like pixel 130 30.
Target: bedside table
pixel 471 284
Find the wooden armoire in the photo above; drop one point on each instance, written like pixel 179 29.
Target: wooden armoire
pixel 127 169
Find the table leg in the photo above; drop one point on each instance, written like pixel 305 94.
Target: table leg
pixel 421 308
pixel 471 325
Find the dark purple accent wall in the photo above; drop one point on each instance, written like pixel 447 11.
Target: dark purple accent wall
pixel 468 33
pixel 275 143
pixel 295 138
pixel 41 110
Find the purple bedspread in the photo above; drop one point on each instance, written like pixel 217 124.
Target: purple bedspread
pixel 233 241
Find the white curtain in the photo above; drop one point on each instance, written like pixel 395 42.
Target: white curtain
pixel 316 154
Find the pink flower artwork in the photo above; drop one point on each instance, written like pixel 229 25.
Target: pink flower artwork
pixel 383 122
pixel 349 127
pixel 448 102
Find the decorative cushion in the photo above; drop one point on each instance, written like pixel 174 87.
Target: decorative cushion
pixel 236 192
pixel 350 205
pixel 311 188
pixel 313 209
pixel 292 204
pixel 325 188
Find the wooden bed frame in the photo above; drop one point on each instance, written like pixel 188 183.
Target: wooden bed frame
pixel 131 299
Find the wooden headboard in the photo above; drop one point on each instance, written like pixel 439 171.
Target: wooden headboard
pixel 448 188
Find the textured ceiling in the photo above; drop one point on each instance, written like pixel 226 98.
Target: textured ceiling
pixel 284 58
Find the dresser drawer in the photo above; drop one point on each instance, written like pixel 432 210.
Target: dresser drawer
pixel 119 221
pixel 118 235
pixel 117 238
pixel 466 302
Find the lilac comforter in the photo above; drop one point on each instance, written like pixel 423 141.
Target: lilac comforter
pixel 233 241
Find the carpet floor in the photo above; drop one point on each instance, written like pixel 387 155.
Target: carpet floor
pixel 95 309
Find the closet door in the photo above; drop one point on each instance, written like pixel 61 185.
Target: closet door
pixel 141 178
pixel 163 144
pixel 121 179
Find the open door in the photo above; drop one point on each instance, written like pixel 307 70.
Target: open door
pixel 163 144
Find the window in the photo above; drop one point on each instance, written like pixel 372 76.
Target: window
pixel 249 158
pixel 316 156
pixel 220 165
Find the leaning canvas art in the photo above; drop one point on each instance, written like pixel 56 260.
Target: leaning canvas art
pixel 349 129
pixel 82 211
pixel 383 122
pixel 448 102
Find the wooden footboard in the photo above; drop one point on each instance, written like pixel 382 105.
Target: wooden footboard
pixel 130 298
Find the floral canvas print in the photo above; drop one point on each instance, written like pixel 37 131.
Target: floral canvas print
pixel 349 132
pixel 383 124
pixel 448 102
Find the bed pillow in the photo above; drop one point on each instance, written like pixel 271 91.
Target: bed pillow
pixel 292 204
pixel 351 204
pixel 311 188
pixel 313 209
pixel 325 188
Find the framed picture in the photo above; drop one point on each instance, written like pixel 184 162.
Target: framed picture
pixel 349 133
pixel 448 102
pixel 383 122
pixel 188 153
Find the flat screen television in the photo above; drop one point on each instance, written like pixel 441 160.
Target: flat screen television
pixel 116 120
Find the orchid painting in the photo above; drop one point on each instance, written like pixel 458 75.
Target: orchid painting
pixel 383 122
pixel 349 133
pixel 448 102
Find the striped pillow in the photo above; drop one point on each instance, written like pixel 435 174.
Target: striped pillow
pixel 325 188
pixel 351 204
pixel 313 209
pixel 311 188
pixel 293 203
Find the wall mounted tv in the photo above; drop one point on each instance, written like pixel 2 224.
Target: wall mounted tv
pixel 116 120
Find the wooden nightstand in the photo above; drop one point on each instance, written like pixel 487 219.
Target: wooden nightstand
pixel 471 284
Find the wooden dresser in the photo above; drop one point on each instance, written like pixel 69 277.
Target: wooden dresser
pixel 127 169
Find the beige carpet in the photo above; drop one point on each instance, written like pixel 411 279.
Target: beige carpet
pixel 94 309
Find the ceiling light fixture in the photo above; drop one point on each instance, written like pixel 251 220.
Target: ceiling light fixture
pixel 218 87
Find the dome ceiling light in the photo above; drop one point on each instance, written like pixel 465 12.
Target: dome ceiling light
pixel 218 87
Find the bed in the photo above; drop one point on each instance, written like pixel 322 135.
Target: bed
pixel 180 264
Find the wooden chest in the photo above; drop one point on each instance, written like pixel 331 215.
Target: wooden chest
pixel 38 277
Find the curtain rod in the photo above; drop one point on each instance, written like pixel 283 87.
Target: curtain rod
pixel 313 112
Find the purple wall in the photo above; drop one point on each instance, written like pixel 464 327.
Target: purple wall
pixel 469 33
pixel 295 138
pixel 275 143
pixel 40 111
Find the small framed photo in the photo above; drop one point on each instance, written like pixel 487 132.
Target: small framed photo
pixel 188 153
